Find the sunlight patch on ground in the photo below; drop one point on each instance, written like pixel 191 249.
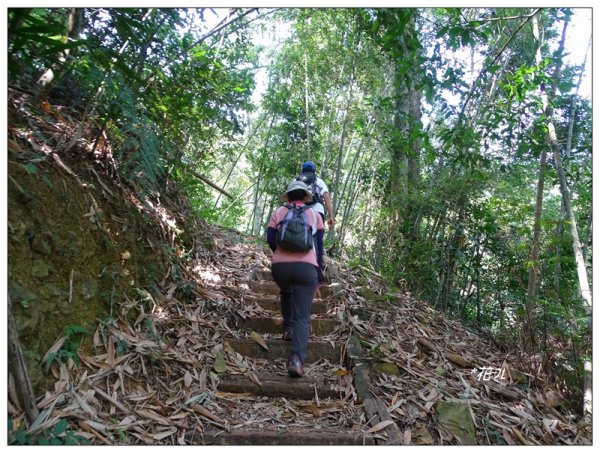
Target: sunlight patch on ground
pixel 159 313
pixel 207 275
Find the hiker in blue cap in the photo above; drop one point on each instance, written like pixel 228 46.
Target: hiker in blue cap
pixel 321 198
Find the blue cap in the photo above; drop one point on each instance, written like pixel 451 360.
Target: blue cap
pixel 309 166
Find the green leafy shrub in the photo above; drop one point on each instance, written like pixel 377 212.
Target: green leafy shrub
pixel 69 347
pixel 59 434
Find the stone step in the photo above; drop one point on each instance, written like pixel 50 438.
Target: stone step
pixel 331 291
pixel 276 386
pixel 323 326
pixel 281 437
pixel 264 287
pixel 279 349
pixel 272 304
pixel 262 274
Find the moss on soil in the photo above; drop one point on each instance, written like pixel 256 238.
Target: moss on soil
pixel 72 251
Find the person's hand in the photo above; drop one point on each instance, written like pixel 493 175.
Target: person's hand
pixel 330 222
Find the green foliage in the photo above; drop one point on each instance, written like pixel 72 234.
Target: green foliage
pixel 230 213
pixel 37 38
pixel 159 97
pixel 58 434
pixel 496 437
pixel 142 150
pixel 68 351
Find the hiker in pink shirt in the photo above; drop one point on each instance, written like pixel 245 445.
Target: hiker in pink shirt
pixel 297 273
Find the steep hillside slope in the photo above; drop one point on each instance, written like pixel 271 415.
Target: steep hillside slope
pixel 80 242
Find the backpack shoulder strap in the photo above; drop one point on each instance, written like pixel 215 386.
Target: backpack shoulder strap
pixel 289 207
pixel 313 224
pixel 316 185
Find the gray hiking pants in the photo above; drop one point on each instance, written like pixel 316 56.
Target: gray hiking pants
pixel 297 283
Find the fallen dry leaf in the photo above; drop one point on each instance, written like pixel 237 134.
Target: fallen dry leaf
pixel 219 365
pixel 232 395
pixel 254 378
pixel 54 348
pixel 312 409
pixel 259 339
pixel 187 379
pixel 206 413
pixel 381 425
pixel 166 433
pixel 153 415
pixel 508 437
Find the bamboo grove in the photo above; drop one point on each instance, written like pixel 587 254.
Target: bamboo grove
pixel 455 143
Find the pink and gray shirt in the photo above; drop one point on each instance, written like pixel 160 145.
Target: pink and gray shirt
pixel 314 257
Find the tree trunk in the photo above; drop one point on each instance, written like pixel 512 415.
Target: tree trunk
pixel 18 369
pixel 354 190
pixel 588 232
pixel 256 212
pixel 448 268
pixel 306 105
pixel 569 145
pixel 584 287
pixel 368 210
pixel 528 332
pixel 564 188
pixel 405 184
pixel 528 328
pixel 342 194
pixel 558 233
pixel 264 212
pixel 338 163
pixel 332 119
pixel 331 111
pixel 438 237
pixel 143 53
pixel 237 159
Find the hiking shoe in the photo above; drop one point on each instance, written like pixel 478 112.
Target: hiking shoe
pixel 287 335
pixel 294 366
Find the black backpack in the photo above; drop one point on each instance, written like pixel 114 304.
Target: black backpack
pixel 310 179
pixel 294 234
